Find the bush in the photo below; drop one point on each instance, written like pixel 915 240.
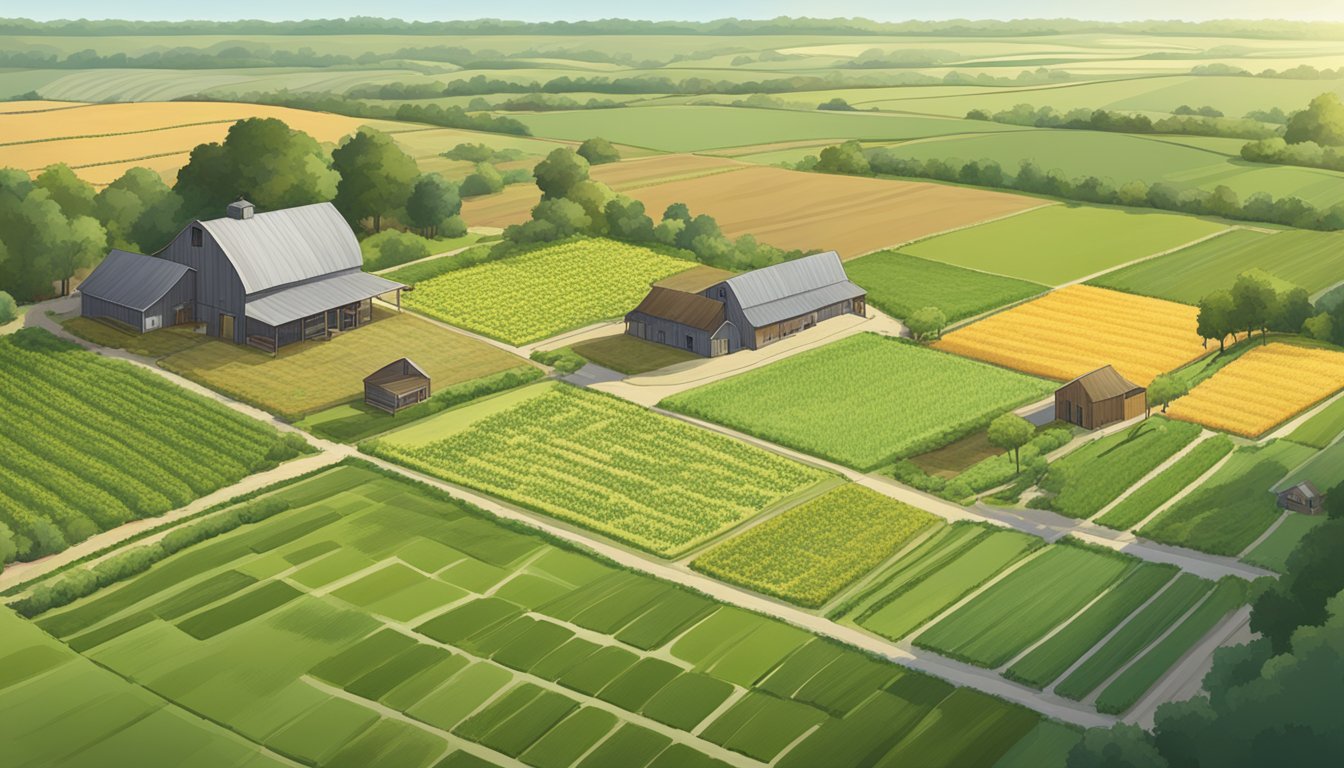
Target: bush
pixel 9 309
pixel 564 360
pixel 391 247
pixel 597 151
pixel 485 181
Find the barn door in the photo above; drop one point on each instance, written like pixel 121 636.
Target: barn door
pixel 226 327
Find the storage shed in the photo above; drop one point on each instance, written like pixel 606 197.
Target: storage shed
pixel 143 292
pixel 399 384
pixel 1304 497
pixel 686 320
pixel 1099 398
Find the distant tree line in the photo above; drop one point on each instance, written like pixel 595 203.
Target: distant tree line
pixel 432 114
pixel 1185 120
pixel 851 158
pixel 1313 137
pixel 1300 72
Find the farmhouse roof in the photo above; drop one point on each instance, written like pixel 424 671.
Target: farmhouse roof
pixel 396 370
pixel 1106 383
pixel 680 307
pixel 281 247
pixel 793 288
pixel 132 280
pixel 1306 488
pixel 318 296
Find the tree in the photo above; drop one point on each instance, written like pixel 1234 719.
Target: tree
pixel 432 202
pixel 1319 326
pixel 485 181
pixel 840 105
pixel 1291 311
pixel 73 194
pixel 598 151
pixel 376 176
pixel 139 211
pixel 1010 432
pixel 1321 122
pixel 1253 303
pixel 9 309
pixel 627 221
pixel 844 158
pixel 926 321
pixel 261 159
pixel 1122 746
pixel 1314 573
pixel 1215 320
pixel 79 242
pixel 559 172
pixel 593 196
pixel 39 243
pixel 1165 388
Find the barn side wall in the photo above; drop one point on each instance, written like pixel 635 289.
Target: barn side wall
pixel 218 288
pixel 182 293
pixel 673 333
pixel 90 306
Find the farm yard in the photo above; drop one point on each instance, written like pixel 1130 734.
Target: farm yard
pixel 672 486
pixel 1078 329
pixel 899 284
pixel 863 401
pixel 91 444
pixel 1263 388
pixel 543 292
pixel 444 632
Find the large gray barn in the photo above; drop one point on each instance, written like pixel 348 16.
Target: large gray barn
pixel 749 310
pixel 265 279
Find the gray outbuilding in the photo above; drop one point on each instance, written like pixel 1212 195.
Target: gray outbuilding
pixel 399 384
pixel 143 292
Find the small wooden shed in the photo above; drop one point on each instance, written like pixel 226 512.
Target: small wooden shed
pixel 397 385
pixel 1099 398
pixel 1304 497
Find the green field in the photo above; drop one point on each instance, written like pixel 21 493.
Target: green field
pixel 1325 470
pixel 1234 506
pixel 1323 428
pixel 807 554
pixel 545 291
pixel 1311 260
pixel 862 401
pixel 1138 505
pixel 92 443
pixel 899 284
pixel 1273 552
pixel 648 480
pixel 1003 620
pixel 631 355
pixel 565 653
pixel 1059 243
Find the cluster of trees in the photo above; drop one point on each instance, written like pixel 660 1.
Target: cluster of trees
pixel 548 102
pixel 1252 304
pixel 1300 72
pixel 432 114
pixel 481 153
pixel 49 228
pixel 1272 701
pixel 487 180
pixel 1313 137
pixel 851 158
pixel 1205 121
pixel 572 204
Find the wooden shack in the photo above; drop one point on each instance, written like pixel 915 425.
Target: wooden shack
pixel 397 385
pixel 1099 398
pixel 1304 497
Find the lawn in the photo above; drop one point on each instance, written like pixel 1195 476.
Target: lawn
pixel 630 355
pixel 1311 260
pixel 809 553
pixel 1061 243
pixel 313 375
pixel 863 401
pixel 356 687
pixel 1000 622
pixel 1078 329
pixel 1234 506
pixel 1145 500
pixel 109 333
pixel 92 443
pixel 1323 428
pixel 1084 481
pixel 1273 552
pixel 549 447
pixel 1262 388
pixel 899 284
pixel 542 292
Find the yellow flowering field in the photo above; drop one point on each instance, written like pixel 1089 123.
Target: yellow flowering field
pixel 1262 388
pixel 1077 329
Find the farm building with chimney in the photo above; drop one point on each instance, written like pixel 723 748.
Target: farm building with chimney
pixel 265 279
pixel 712 313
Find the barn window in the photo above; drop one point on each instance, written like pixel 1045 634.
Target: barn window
pixel 690 342
pixel 197 237
pixel 722 292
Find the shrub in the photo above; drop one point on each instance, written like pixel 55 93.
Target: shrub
pixel 597 151
pixel 9 309
pixel 485 181
pixel 564 360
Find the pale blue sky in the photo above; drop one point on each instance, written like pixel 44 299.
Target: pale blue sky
pixel 548 10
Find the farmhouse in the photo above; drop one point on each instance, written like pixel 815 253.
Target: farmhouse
pixel 1304 497
pixel 715 315
pixel 1099 398
pixel 399 384
pixel 265 279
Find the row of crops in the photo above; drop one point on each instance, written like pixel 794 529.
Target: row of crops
pixel 436 623
pixel 654 482
pixel 90 444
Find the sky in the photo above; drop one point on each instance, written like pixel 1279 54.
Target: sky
pixel 690 10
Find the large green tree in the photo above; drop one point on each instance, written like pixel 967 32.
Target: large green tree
pixel 433 202
pixel 1010 432
pixel 139 211
pixel 1322 122
pixel 559 172
pixel 598 150
pixel 73 194
pixel 1254 302
pixel 1215 320
pixel 260 159
pixel 41 244
pixel 376 176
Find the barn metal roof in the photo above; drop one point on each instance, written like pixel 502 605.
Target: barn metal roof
pixel 690 309
pixel 318 296
pixel 132 280
pixel 793 288
pixel 1306 488
pixel 1106 383
pixel 286 246
pixel 395 371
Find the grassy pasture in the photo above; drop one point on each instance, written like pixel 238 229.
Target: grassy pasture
pixel 899 284
pixel 1311 260
pixel 545 446
pixel 1153 494
pixel 1273 552
pixel 1060 243
pixel 862 401
pixel 630 355
pixel 1323 428
pixel 1325 470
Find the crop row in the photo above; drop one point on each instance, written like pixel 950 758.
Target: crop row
pixel 1262 388
pixel 1145 500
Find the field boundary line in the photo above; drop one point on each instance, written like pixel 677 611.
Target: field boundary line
pixel 1204 436
pixel 971 225
pixel 863 582
pixel 1160 692
pixel 1151 256
pixel 1061 626
pixel 1194 485
pixel 110 135
pixel 814 491
pixel 1007 571
pixel 1287 428
pixel 1278 522
pixel 123 160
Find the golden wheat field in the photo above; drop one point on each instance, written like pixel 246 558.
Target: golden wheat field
pixel 1077 329
pixel 1262 389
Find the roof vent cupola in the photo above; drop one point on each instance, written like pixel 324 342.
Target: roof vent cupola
pixel 240 209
